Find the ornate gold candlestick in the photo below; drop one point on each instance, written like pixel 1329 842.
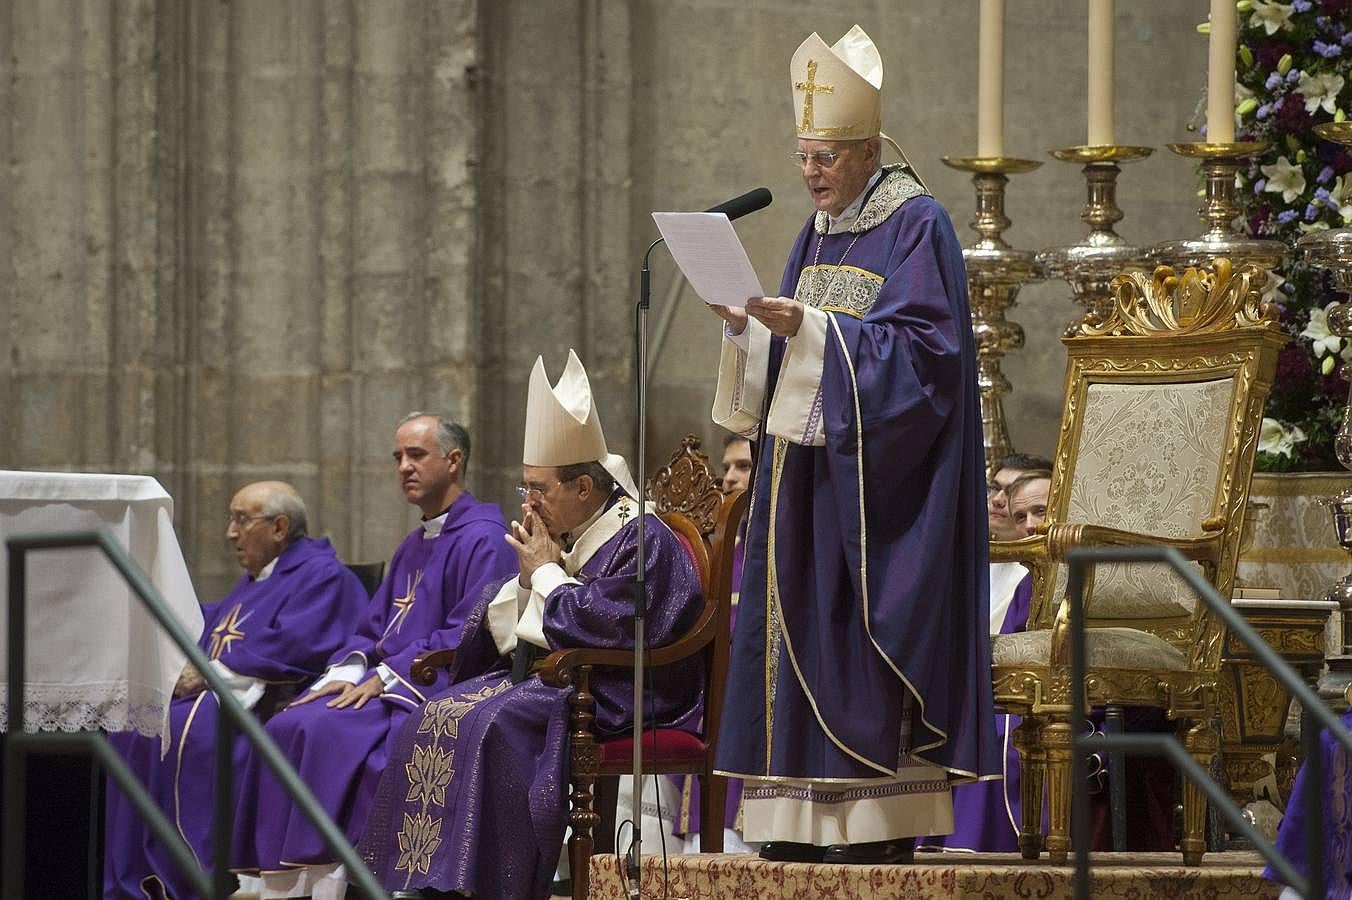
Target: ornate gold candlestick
pixel 1219 210
pixel 995 272
pixel 1089 266
pixel 1332 250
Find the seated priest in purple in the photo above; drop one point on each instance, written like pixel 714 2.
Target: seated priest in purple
pixel 1336 821
pixel 473 799
pixel 335 735
pixel 737 464
pixel 986 814
pixel 293 607
pixel 859 687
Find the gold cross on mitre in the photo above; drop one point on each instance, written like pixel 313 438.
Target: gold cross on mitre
pixel 226 633
pixel 809 88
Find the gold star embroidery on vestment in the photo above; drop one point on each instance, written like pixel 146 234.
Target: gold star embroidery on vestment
pixel 226 633
pixel 403 604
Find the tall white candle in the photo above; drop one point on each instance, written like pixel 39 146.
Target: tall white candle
pixel 990 89
pixel 1220 74
pixel 1100 72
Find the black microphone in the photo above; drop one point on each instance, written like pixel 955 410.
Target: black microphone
pixel 747 203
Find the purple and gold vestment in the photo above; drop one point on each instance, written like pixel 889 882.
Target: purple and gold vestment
pixel 862 649
pixel 1337 819
pixel 474 797
pixel 279 630
pixel 433 580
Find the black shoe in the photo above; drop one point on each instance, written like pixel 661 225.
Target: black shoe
pixel 876 853
pixel 790 851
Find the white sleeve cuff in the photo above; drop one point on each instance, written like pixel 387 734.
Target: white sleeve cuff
pixel 503 612
pixel 351 670
pixel 248 691
pixel 742 364
pixel 796 411
pixel 387 676
pixel 741 339
pixel 543 582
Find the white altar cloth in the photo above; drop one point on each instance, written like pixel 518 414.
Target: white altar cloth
pixel 96 657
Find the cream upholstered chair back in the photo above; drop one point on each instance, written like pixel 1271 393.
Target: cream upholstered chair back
pixel 1163 407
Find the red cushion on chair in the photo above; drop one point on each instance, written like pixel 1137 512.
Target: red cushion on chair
pixel 665 746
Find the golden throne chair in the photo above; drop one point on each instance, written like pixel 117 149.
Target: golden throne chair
pixel 1163 405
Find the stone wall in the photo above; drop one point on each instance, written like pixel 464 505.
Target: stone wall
pixel 239 240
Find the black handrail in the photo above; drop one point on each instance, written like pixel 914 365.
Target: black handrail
pixel 1315 714
pixel 17 743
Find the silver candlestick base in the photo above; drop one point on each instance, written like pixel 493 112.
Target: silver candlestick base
pixel 1219 210
pixel 995 272
pixel 1090 265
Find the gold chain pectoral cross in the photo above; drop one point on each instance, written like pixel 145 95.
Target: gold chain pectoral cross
pixel 809 88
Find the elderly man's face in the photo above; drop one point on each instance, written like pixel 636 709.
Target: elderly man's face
pixel 560 505
pixel 1028 506
pixel 426 472
pixel 736 466
pixel 835 187
pixel 258 538
pixel 997 505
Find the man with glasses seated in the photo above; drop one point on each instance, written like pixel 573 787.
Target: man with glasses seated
pixel 335 734
pixel 473 799
pixel 271 635
pixel 859 685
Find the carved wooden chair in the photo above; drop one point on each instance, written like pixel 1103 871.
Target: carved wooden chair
pixel 688 499
pixel 1164 402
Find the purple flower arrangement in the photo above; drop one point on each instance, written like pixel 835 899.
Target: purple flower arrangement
pixel 1290 80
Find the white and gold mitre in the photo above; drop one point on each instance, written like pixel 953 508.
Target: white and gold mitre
pixel 837 90
pixel 562 427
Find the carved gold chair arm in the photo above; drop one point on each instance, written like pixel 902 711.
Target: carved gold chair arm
pixel 1025 550
pixel 1062 536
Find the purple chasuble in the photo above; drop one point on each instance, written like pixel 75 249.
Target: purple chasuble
pixel 474 796
pixel 279 630
pixel 1337 820
pixel 986 815
pixel 431 586
pixel 863 636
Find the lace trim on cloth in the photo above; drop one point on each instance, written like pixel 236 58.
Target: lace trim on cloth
pixel 85 707
pixel 895 189
pixel 846 289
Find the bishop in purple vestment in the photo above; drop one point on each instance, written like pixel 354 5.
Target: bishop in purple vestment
pixel 336 734
pixel 295 604
pixel 474 797
pixel 860 678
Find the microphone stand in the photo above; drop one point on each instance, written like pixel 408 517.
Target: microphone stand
pixel 640 587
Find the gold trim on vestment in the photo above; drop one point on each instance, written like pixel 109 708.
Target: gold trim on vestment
pixel 773 622
pixel 178 771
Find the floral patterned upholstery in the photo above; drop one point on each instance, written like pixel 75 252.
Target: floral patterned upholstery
pixel 1148 462
pixel 1105 648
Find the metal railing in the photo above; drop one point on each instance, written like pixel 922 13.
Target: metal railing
pixel 18 743
pixel 1316 717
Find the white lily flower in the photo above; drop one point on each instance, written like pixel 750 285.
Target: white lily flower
pixel 1285 178
pixel 1279 439
pixel 1272 16
pixel 1320 90
pixel 1318 332
pixel 1340 197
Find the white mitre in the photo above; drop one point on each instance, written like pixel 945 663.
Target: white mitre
pixel 563 427
pixel 837 90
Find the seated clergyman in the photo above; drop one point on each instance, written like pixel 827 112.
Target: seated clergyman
pixel 473 798
pixel 336 734
pixel 292 608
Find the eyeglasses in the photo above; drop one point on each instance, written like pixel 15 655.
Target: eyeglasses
pixel 824 159
pixel 993 488
pixel 241 521
pixel 532 492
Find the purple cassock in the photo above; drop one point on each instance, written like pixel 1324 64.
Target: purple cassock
pixel 279 630
pixel 1337 819
pixel 863 636
pixel 474 796
pixel 434 578
pixel 986 815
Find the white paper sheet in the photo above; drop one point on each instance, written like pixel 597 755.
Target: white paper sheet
pixel 710 256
